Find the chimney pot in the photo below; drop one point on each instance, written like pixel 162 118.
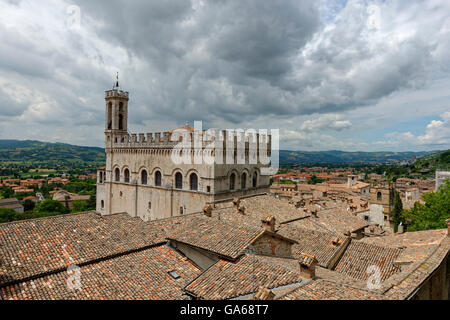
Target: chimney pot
pixel 264 294
pixel 269 223
pixel 308 265
pixel 207 210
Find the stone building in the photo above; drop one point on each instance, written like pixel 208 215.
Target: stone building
pixel 441 176
pixel 141 178
pixel 381 203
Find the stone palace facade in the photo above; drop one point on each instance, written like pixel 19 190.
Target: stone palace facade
pixel 141 178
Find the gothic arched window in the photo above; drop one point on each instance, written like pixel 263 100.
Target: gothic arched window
pixel 127 176
pixel 109 119
pixel 158 179
pixel 144 177
pixel 178 181
pixel 232 181
pixel 193 181
pixel 117 173
pixel 379 196
pixel 244 181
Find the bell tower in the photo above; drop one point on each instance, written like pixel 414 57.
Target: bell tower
pixel 116 110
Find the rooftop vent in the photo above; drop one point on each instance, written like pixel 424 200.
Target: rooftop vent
pixel 264 294
pixel 174 275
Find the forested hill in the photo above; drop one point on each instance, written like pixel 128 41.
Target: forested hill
pixel 37 151
pixel 61 153
pixel 341 157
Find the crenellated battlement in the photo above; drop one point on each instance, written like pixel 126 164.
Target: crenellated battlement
pixel 114 93
pixel 171 139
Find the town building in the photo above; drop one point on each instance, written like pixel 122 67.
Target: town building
pixel 142 179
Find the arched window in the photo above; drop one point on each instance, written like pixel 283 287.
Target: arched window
pixel 232 181
pixel 120 122
pixel 193 181
pixel 244 181
pixel 158 179
pixel 379 196
pixel 144 177
pixel 127 176
pixel 103 204
pixel 109 119
pixel 178 181
pixel 255 179
pixel 117 172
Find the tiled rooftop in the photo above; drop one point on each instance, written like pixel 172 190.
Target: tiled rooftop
pixel 359 256
pixel 216 236
pixel 323 245
pixel 33 247
pixel 225 280
pixel 139 275
pixel 327 290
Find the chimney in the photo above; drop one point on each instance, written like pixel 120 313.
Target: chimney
pixel 269 223
pixel 448 227
pixel 263 294
pixel 236 202
pixel 400 229
pixel 207 210
pixel 308 265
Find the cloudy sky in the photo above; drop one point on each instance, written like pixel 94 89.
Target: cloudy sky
pixel 330 74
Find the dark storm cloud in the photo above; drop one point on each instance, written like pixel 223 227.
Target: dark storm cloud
pixel 224 62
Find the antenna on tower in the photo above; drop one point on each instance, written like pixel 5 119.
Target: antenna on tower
pixel 116 85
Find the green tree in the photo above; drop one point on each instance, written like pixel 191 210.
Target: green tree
pixel 7 193
pixel 7 215
pixel 51 206
pixel 433 213
pixel 314 180
pixel 79 206
pixel 28 205
pixel 397 211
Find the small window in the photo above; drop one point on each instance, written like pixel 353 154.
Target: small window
pixel 178 181
pixel 117 172
pixel 158 179
pixel 244 181
pixel 174 275
pixel 255 179
pixel 379 196
pixel 181 210
pixel 144 177
pixel 193 182
pixel 208 189
pixel 232 181
pixel 102 204
pixel 121 194
pixel 127 176
pixel 149 206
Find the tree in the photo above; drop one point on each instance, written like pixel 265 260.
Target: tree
pixel 79 206
pixel 433 213
pixel 7 193
pixel 397 211
pixel 314 180
pixel 28 205
pixel 51 206
pixel 7 215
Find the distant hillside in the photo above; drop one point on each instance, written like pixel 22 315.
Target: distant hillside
pixel 61 153
pixel 438 160
pixel 340 157
pixel 45 152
